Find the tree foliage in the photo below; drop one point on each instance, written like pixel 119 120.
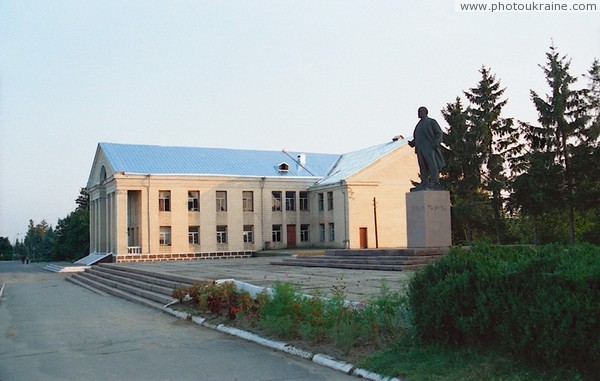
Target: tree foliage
pixel 6 249
pixel 552 175
pixel 68 241
pixel 479 144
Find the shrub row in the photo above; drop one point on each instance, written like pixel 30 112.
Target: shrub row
pixel 289 315
pixel 541 304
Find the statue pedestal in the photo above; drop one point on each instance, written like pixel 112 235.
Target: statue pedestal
pixel 428 219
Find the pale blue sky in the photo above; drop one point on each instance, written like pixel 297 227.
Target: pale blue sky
pixel 315 76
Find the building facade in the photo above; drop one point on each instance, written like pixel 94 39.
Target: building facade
pixel 157 203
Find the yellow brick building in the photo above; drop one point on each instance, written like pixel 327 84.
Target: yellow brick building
pixel 157 203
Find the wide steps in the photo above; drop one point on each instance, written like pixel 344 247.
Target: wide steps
pixel 151 289
pixel 369 259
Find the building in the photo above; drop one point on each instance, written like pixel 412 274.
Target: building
pixel 156 203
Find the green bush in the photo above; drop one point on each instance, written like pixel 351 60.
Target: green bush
pixel 540 305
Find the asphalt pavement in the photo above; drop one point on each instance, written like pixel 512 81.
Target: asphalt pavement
pixel 53 330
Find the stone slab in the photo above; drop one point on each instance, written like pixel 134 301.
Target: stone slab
pixel 428 219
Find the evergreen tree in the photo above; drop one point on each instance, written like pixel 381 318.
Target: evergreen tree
pixel 480 144
pixel 495 140
pixel 6 249
pixel 592 98
pixel 562 117
pixel 461 176
pixel 83 200
pixel 38 240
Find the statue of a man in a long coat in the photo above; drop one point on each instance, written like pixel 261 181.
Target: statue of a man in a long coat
pixel 427 140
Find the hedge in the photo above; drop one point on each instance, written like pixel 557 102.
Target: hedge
pixel 540 305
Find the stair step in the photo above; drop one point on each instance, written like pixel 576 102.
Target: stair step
pixel 123 278
pixel 109 284
pixel 102 287
pixel 179 279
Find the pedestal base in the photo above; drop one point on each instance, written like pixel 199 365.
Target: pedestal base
pixel 428 219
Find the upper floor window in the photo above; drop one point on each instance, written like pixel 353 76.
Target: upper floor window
pixel 320 201
pixel 276 200
pixel 329 200
pixel 290 200
pixel 193 201
pixel 164 201
pixel 248 201
pixel 303 199
pixel 221 201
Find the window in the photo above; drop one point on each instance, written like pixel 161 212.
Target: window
pixel 276 200
pixel 322 232
pixel 193 201
pixel 194 235
pixel 248 201
pixel 165 236
pixel 284 167
pixel 164 201
pixel 290 200
pixel 329 200
pixel 221 201
pixel 276 233
pixel 320 201
pixel 331 232
pixel 221 233
pixel 304 233
pixel 303 196
pixel 248 233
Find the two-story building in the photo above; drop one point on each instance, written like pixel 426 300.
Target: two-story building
pixel 156 203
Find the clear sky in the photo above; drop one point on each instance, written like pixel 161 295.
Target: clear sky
pixel 314 75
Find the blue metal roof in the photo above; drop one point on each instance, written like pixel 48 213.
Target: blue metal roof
pixel 352 162
pixel 150 159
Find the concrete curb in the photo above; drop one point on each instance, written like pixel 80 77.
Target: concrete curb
pixel 281 346
pixel 2 290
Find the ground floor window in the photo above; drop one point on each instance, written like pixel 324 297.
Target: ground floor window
pixel 248 233
pixel 331 232
pixel 276 233
pixel 304 233
pixel 221 233
pixel 322 232
pixel 194 235
pixel 165 236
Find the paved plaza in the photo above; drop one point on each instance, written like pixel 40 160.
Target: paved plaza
pixel 357 285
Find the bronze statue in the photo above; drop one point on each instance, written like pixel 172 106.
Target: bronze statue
pixel 427 139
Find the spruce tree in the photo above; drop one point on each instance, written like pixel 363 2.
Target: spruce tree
pixel 495 139
pixel 562 126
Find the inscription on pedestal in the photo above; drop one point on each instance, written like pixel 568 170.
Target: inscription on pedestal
pixel 428 219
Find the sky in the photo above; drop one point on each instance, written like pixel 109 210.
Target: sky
pixel 313 76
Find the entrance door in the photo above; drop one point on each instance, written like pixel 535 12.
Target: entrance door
pixel 291 236
pixel 362 232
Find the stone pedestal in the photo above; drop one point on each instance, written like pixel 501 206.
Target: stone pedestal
pixel 428 219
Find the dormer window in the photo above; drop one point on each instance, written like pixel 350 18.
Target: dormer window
pixel 284 167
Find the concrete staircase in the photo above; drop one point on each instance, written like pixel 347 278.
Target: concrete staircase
pixel 145 287
pixel 369 259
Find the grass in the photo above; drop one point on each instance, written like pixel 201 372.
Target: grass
pixel 375 335
pixel 413 362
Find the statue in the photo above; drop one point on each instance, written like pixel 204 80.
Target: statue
pixel 427 139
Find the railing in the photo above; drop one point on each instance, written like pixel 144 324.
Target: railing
pixel 134 250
